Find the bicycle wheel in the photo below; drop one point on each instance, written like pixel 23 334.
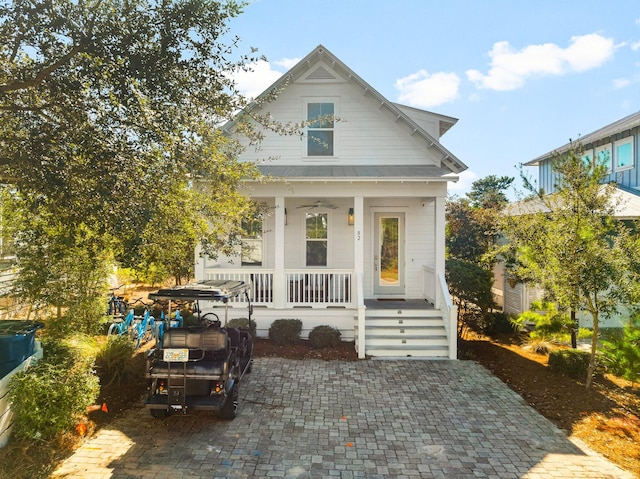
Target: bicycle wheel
pixel 114 330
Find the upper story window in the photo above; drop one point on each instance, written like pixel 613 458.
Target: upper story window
pixel 603 156
pixel 623 152
pixel 251 254
pixel 320 129
pixel 316 238
pixel 587 158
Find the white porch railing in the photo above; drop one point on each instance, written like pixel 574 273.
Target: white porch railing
pixel 261 283
pixel 429 284
pixel 302 287
pixel 319 287
pixel 449 315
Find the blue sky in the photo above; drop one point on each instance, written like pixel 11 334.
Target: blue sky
pixel 522 77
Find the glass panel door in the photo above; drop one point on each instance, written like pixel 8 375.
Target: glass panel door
pixel 389 254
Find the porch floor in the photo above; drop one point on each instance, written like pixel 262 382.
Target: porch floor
pixel 397 304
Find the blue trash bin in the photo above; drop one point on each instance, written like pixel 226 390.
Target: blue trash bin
pixel 17 343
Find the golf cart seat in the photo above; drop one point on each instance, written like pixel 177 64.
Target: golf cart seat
pixel 208 352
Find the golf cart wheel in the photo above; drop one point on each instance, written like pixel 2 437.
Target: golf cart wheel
pixel 230 408
pixel 159 413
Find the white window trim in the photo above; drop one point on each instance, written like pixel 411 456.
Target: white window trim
pixel 304 238
pixel 602 148
pixel 321 99
pixel 627 140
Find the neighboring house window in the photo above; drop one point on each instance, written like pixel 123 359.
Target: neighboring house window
pixel 320 129
pixel 624 153
pixel 251 254
pixel 603 156
pixel 316 239
pixel 587 158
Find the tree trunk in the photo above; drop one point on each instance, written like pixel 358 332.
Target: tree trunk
pixel 574 329
pixel 594 344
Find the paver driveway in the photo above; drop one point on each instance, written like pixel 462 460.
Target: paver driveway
pixel 369 419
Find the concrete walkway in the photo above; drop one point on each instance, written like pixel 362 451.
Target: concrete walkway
pixel 367 419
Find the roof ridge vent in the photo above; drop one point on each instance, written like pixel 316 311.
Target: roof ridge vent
pixel 320 73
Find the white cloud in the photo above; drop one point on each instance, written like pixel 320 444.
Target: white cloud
pixel 635 46
pixel 510 68
pixel 262 76
pixel 463 185
pixel 287 63
pixel 619 83
pixel 424 90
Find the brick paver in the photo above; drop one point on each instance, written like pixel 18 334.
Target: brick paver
pixel 366 419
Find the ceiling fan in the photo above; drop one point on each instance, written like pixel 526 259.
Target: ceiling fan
pixel 318 204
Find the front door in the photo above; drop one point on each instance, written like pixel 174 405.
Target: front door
pixel 388 259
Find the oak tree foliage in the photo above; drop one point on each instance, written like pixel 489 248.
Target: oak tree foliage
pixel 110 113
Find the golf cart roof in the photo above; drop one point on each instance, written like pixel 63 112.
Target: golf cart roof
pixel 209 290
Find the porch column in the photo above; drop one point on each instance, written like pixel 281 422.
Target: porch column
pixel 440 235
pixel 279 287
pixel 358 269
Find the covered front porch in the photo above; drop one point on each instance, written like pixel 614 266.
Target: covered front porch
pixel 357 263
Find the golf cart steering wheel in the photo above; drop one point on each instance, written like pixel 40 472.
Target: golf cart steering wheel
pixel 211 320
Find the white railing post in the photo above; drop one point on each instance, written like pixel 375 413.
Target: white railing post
pixel 361 317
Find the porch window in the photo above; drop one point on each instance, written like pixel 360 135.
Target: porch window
pixel 320 129
pixel 316 239
pixel 251 254
pixel 624 153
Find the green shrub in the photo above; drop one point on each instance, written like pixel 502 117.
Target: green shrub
pixel 48 398
pixel 621 354
pixel 498 323
pixel 285 331
pixel 324 337
pixel 243 323
pixel 115 362
pixel 570 362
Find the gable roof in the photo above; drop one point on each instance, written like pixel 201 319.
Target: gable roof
pixel 605 133
pixel 321 54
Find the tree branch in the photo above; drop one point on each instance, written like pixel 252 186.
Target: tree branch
pixel 23 85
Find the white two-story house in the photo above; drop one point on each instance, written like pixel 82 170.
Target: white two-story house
pixel 355 234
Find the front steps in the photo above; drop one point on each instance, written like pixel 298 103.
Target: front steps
pixel 405 333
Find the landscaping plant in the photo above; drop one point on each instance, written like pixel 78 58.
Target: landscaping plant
pixel 621 355
pixel 324 337
pixel 50 397
pixel 285 331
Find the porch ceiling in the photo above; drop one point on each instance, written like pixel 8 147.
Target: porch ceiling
pixel 356 173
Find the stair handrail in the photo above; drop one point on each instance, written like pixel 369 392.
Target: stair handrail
pixel 449 311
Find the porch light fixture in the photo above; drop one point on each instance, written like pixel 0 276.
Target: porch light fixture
pixel 350 217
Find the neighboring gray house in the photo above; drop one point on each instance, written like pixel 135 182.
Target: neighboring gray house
pixel 616 145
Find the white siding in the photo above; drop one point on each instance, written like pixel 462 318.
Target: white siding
pixel 419 240
pixel 366 135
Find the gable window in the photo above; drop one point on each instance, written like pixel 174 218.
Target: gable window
pixel 316 239
pixel 603 156
pixel 251 253
pixel 624 153
pixel 320 132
